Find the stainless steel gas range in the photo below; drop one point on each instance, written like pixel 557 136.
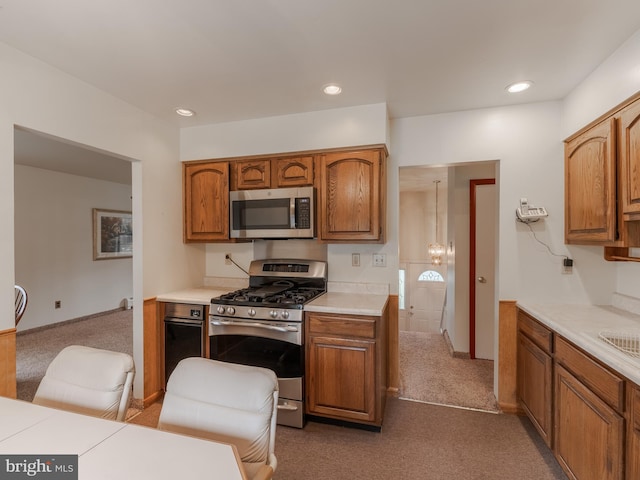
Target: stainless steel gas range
pixel 262 325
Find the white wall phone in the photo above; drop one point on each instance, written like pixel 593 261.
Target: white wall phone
pixel 528 213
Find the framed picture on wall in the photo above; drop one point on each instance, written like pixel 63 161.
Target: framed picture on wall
pixel 112 234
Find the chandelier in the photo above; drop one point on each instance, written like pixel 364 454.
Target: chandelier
pixel 436 250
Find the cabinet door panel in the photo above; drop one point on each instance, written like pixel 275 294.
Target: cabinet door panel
pixel 206 201
pixel 630 161
pixel 293 172
pixel 350 202
pixel 633 445
pixel 535 385
pixel 252 174
pixel 589 435
pixel 590 186
pixel 341 379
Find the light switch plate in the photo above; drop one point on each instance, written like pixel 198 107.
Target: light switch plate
pixel 355 259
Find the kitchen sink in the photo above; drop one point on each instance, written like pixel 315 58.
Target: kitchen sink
pixel 626 342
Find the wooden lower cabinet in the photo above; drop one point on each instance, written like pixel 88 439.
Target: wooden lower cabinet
pixel 589 435
pixel 535 382
pixel 345 367
pixel 342 378
pixel 633 434
pixel 586 412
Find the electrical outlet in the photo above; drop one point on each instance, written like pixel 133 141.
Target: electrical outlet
pixel 379 260
pixel 355 259
pixel 58 304
pixel 227 259
pixel 567 266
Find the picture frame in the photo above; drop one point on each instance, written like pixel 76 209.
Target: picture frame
pixel 112 234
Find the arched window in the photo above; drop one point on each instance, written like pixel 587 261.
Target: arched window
pixel 430 276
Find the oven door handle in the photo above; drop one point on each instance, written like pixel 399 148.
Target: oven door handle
pixel 287 407
pixel 288 328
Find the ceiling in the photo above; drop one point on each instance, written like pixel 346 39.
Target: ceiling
pixel 231 60
pixel 42 151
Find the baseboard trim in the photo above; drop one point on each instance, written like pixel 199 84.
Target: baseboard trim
pixel 66 322
pixel 511 409
pixel 153 398
pixel 452 352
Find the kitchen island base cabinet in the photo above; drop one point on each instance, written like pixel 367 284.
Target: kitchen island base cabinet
pixel 589 435
pixel 346 367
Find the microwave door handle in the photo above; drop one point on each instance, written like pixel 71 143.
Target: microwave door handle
pixel 292 213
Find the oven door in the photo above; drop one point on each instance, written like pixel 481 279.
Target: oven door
pixel 274 345
pixel 277 346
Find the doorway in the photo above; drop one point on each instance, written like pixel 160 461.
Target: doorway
pixel 57 184
pixel 427 291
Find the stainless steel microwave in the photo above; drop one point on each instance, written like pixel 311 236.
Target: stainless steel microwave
pixel 272 213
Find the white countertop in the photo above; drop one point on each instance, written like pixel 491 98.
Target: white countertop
pixel 196 296
pixel 581 325
pixel 369 301
pixel 348 303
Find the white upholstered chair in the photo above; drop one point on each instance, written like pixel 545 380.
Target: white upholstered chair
pixel 230 403
pixel 88 380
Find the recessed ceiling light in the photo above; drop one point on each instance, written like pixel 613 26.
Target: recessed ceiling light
pixel 332 89
pixel 519 86
pixel 185 112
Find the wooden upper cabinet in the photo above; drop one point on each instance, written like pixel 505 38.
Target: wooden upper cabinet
pixel 206 201
pixel 602 182
pixel 629 149
pixel 590 186
pixel 351 196
pixel 250 174
pixel 272 173
pixel 292 172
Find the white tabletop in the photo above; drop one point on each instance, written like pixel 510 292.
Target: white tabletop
pixel 108 449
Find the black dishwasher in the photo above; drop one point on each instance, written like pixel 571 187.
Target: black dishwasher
pixel 184 334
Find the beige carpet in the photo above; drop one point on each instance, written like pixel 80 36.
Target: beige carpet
pixel 428 373
pixel 36 348
pixel 417 441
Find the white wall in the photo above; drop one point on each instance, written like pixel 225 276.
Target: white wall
pixel 343 127
pixel 41 98
pixel 615 80
pixel 365 125
pixel 54 246
pixel 527 141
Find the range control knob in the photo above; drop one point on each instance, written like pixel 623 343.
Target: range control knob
pixel 273 314
pixel 284 314
pixel 220 309
pixel 231 310
pixel 251 312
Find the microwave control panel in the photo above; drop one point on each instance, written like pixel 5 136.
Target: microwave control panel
pixel 303 212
